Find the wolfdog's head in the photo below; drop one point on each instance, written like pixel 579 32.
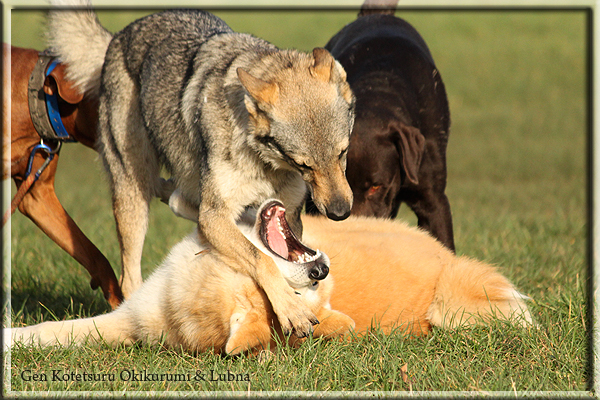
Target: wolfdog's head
pixel 301 113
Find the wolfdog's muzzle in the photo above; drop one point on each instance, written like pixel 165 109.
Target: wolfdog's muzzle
pixel 338 209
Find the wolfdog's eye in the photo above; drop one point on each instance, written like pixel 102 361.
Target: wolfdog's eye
pixel 272 143
pixel 343 154
pixel 300 165
pixel 303 166
pixel 352 106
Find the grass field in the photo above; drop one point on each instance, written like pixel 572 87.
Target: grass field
pixel 517 87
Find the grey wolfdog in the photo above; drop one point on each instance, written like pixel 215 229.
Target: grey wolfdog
pixel 232 118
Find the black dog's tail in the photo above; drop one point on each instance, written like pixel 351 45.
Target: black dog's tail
pixel 378 7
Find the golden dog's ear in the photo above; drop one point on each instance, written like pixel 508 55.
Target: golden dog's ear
pixel 261 91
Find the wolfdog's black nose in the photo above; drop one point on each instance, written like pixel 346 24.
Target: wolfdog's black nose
pixel 338 208
pixel 319 272
pixel 337 216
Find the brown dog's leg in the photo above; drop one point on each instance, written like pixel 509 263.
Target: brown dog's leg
pixel 41 205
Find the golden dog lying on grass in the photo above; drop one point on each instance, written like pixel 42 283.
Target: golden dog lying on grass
pixel 386 274
pixel 389 274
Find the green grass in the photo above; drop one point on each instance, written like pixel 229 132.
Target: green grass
pixel 516 83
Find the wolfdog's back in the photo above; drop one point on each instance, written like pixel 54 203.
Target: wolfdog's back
pixel 168 36
pixel 179 60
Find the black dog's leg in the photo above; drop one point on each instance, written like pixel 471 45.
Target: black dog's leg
pixel 433 213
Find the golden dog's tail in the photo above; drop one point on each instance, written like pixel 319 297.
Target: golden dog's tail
pixel 80 41
pixel 470 292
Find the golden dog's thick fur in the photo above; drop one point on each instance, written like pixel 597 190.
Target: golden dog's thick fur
pixel 194 300
pixel 386 274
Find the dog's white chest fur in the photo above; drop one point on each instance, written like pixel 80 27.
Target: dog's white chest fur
pixel 251 184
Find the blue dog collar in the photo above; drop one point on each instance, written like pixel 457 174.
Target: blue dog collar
pixel 52 107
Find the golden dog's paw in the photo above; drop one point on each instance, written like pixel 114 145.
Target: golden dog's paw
pixel 334 323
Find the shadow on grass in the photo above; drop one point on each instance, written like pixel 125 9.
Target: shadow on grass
pixel 40 302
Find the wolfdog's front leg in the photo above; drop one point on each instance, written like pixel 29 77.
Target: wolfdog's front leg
pixel 220 230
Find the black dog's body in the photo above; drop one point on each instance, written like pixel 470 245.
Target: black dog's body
pixel 398 145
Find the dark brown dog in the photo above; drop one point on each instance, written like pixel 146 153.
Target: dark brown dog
pixel 79 116
pixel 398 145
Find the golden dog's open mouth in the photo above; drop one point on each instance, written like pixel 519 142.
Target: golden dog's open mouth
pixel 277 236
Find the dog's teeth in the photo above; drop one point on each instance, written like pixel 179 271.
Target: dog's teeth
pixel 280 228
pixel 313 258
pixel 306 258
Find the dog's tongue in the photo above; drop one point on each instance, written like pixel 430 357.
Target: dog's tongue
pixel 276 241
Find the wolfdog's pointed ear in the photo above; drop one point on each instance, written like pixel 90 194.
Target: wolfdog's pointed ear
pixel 260 90
pixel 338 76
pixel 324 62
pixel 338 73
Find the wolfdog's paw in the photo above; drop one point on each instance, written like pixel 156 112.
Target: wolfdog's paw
pixel 294 316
